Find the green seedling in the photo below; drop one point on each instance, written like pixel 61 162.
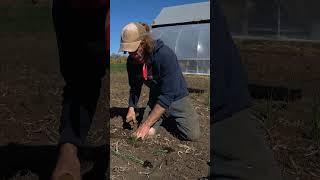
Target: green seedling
pixel 145 164
pixel 164 150
pixel 134 138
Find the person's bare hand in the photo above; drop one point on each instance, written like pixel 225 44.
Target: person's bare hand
pixel 131 116
pixel 68 164
pixel 142 131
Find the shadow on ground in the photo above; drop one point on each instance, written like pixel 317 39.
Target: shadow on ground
pixel 40 160
pixel 122 112
pixel 196 90
pixel 275 93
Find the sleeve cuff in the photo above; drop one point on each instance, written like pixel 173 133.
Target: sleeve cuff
pixel 132 105
pixel 164 102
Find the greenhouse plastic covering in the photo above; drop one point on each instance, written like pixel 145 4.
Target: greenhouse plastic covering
pixel 276 20
pixel 191 43
pixel 184 13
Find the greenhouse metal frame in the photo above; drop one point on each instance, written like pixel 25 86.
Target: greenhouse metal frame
pixel 187 33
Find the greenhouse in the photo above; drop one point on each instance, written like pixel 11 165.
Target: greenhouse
pixel 275 19
pixel 186 30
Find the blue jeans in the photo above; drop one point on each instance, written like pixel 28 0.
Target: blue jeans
pixel 181 117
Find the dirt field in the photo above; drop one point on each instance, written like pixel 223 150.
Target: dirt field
pixel 292 127
pixel 185 160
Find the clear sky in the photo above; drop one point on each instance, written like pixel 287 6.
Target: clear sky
pixel 124 11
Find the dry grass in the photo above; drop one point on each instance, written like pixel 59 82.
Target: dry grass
pixel 316 119
pixel 292 127
pixel 27 175
pixel 289 133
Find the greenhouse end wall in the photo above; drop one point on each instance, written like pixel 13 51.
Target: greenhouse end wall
pixel 274 19
pixel 191 43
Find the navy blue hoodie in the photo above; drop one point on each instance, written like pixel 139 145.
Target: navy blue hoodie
pixel 165 78
pixel 229 82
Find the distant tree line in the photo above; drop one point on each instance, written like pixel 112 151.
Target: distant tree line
pixel 117 58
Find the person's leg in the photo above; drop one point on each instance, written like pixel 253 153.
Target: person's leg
pixel 92 65
pixel 83 61
pixel 68 162
pixel 186 119
pixel 82 65
pixel 240 150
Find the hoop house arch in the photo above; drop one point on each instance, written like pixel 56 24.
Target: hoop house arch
pixel 188 37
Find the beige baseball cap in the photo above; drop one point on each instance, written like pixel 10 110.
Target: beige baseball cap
pixel 131 36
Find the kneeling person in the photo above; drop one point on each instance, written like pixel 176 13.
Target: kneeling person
pixel 154 64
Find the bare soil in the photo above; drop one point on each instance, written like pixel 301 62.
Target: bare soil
pixel 184 160
pixel 288 123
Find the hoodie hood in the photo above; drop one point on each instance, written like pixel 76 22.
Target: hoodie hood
pixel 158 44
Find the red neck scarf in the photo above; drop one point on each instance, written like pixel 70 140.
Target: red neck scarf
pixel 145 71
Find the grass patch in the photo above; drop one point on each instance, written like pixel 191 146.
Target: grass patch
pixel 118 67
pixel 269 120
pixel 269 111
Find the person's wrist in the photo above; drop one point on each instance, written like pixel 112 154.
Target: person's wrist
pixel 68 148
pixel 147 123
pixel 131 109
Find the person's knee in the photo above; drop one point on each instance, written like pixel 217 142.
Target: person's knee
pixel 191 131
pixel 193 135
pixel 195 132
